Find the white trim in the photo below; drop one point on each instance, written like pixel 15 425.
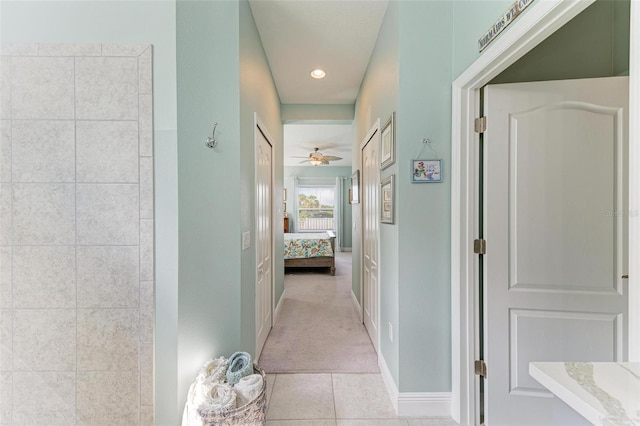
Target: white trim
pixel 276 312
pixel 424 404
pixel 634 184
pixel 356 303
pixel 389 383
pixel 346 249
pixel 541 20
pixel 414 404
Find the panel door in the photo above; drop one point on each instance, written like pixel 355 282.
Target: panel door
pixel 556 231
pixel 264 244
pixel 370 234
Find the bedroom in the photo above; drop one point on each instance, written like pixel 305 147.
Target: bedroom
pixel 317 196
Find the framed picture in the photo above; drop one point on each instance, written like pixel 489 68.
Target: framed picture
pixel 388 142
pixel 387 201
pixel 424 171
pixel 354 197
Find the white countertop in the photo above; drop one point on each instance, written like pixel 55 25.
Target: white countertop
pixel 605 393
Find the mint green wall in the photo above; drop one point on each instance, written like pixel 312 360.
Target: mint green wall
pixel 580 49
pixel 224 77
pixel 471 19
pixel 257 95
pixel 321 172
pixel 315 113
pixel 129 22
pixel 378 98
pixel 208 72
pixel 424 233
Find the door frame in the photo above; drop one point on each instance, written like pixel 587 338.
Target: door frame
pixel 258 126
pixel 375 129
pixel 541 20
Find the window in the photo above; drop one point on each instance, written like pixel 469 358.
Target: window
pixel 316 208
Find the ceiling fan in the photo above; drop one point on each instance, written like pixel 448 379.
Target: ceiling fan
pixel 316 158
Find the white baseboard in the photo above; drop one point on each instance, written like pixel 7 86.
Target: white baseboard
pixel 356 304
pixel 389 383
pixel 414 404
pixel 424 404
pixel 345 249
pixel 276 312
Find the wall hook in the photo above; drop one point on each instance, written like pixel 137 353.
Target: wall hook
pixel 211 140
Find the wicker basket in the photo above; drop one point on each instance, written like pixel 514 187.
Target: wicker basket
pixel 252 414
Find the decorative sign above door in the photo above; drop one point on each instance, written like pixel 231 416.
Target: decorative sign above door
pixel 503 22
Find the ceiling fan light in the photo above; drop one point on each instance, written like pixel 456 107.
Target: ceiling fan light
pixel 318 73
pixel 315 162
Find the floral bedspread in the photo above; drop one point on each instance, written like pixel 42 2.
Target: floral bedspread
pixel 302 246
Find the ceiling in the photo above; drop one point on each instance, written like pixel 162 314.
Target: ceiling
pixel 331 139
pixel 335 35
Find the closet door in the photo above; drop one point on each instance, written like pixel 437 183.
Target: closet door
pixel 370 232
pixel 264 236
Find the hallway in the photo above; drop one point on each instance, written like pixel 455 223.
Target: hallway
pixel 327 372
pixel 317 329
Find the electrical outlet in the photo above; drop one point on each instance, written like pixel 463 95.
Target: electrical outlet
pixel 246 240
pixel 390 331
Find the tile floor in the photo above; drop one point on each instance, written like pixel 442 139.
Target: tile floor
pixel 335 400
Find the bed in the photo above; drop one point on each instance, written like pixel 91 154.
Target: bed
pixel 310 250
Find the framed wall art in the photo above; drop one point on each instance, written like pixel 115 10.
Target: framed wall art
pixel 388 143
pixel 425 171
pixel 387 199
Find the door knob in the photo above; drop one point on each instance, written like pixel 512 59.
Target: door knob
pixel 625 277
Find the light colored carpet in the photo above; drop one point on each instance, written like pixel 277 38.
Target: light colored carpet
pixel 318 329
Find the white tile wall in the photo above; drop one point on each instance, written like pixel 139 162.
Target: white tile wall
pixel 30 408
pixel 5 87
pixel 42 151
pixel 107 398
pixel 108 339
pixel 108 214
pixel 5 150
pixel 43 213
pixel 44 277
pixel 107 151
pixel 107 88
pixel 6 339
pixel 5 277
pixel 5 397
pixel 42 88
pixel 76 234
pixel 108 276
pixel 6 237
pixel 44 339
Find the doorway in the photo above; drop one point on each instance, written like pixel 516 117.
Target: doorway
pixel 553 273
pixel 540 21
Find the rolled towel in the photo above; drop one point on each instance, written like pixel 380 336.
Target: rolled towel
pixel 239 366
pixel 248 388
pixel 190 416
pixel 219 397
pixel 214 370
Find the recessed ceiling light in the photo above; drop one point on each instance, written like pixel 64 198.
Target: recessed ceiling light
pixel 318 73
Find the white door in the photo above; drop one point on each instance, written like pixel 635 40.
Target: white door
pixel 556 237
pixel 370 232
pixel 264 239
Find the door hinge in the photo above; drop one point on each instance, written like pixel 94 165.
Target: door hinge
pixel 480 124
pixel 481 368
pixel 480 246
